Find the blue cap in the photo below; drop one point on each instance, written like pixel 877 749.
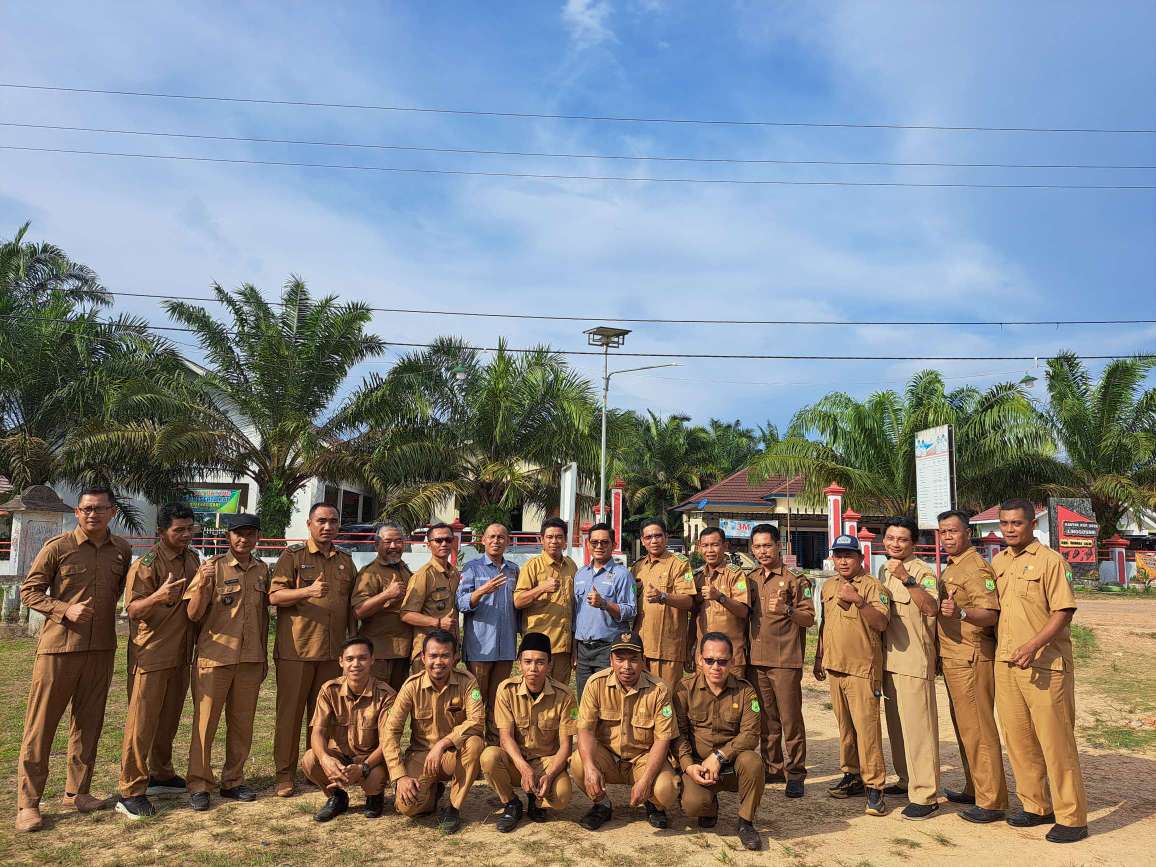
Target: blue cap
pixel 845 543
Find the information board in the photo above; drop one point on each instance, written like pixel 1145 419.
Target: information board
pixel 934 474
pixel 740 528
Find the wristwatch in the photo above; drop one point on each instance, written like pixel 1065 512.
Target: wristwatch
pixel 910 582
pixel 962 613
pixel 662 598
pixel 365 771
pixel 718 755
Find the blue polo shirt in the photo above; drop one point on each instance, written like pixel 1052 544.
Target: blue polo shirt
pixel 615 584
pixel 490 630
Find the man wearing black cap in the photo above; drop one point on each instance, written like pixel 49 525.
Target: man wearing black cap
pixel 626 724
pixel 536 717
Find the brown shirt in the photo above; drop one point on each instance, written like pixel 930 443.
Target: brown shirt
pixel 728 722
pixel 971 582
pixel 162 639
pixel 850 646
pixel 627 721
pixel 538 722
pixel 455 711
pixel 71 568
pixel 391 638
pixel 313 629
pixel 353 723
pixel 777 641
pixel 663 629
pixel 1032 586
pixel 552 614
pixel 909 641
pixel 713 617
pixel 433 591
pixel 234 627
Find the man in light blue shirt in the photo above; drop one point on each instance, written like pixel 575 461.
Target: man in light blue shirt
pixel 604 605
pixel 486 598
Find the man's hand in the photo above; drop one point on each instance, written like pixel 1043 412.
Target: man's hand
pixel 688 664
pixel 433 761
pixel 317 588
pixel 817 670
pixel 334 770
pixel 653 594
pixel 493 585
pixel 448 622
pixel 592 780
pixel 406 790
pixel 848 594
pixel 1023 655
pixel 528 784
pixel 897 568
pixel 594 599
pixel 640 791
pixel 711 593
pixel 779 601
pixel 207 573
pixel 353 774
pixel 711 768
pixel 948 608
pixel 542 787
pixel 170 591
pixel 696 773
pixel 395 590
pixel 79 612
pixel 550 585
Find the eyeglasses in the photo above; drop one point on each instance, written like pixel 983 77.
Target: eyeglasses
pixel 712 661
pixel 94 510
pixel 599 543
pixel 441 540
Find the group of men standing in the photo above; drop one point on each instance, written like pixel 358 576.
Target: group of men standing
pixel 627 636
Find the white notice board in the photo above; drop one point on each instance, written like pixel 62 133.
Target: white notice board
pixel 934 474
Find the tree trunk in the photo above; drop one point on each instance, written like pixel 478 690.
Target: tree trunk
pixel 275 508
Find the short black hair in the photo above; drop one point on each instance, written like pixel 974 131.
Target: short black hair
pixel 556 523
pixel 905 523
pixel 97 490
pixel 440 636
pixel 440 525
pixel 964 517
pixel 713 531
pixel 170 512
pixel 1019 504
pixel 601 525
pixel 353 642
pixel 324 505
pixel 766 529
pixel 716 636
pixel 653 522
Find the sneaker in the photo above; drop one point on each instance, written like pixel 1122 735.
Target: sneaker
pixel 851 784
pixel 748 836
pixel 981 815
pixel 656 817
pixel 172 786
pixel 1066 834
pixel 895 789
pixel 450 820
pixel 1024 819
pixel 239 793
pixel 336 804
pixel 199 801
pixel 136 807
pixel 958 797
pixel 596 817
pixel 707 821
pixel 875 803
pixel 511 816
pixel 374 806
pixel 794 789
pixel 533 812
pixel 919 812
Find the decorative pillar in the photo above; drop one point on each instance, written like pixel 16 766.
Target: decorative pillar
pixel 1116 552
pixel 38 514
pixel 865 538
pixel 991 542
pixel 851 522
pixel 585 541
pixel 834 494
pixel 617 492
pixel 457 526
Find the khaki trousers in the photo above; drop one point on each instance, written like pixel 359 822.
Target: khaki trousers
pixel 971 690
pixel 669 671
pixel 298 682
pixel 80 679
pixel 503 777
pixel 860 739
pixel 1037 710
pixel 562 667
pixel 625 771
pixel 489 675
pixel 459 767
pixel 913 729
pixel 747 780
pixel 392 671
pixel 374 784
pixel 234 690
pixel 156 700
pixel 783 733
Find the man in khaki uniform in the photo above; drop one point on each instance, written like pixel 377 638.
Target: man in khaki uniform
pixel 311 588
pixel 348 729
pixel 430 601
pixel 909 655
pixel 75 582
pixel 376 600
pixel 544 594
pixel 229 600
pixel 1035 684
pixel 718 739
pixel 159 653
pixel 782 609
pixel 968 614
pixel 723 603
pixel 856 609
pixel 666 595
pixel 536 718
pixel 626 726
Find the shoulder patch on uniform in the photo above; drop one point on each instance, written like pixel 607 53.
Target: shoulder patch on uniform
pixel 681 557
pixel 755 706
pixel 296 546
pixel 988 584
pixel 476 694
pixel 807 592
pixel 1069 576
pixel 929 582
pixel 796 571
pixel 148 558
pixel 740 585
pixel 884 598
pixel 666 711
pixel 573 713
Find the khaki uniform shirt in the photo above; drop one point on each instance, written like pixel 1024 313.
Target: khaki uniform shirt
pixel 909 641
pixel 627 721
pixel 732 582
pixel 663 629
pixel 353 723
pixel 777 641
pixel 235 626
pixel 71 568
pixel 538 722
pixel 455 711
pixel 850 646
pixel 313 629
pixel 163 638
pixel 433 592
pixel 553 614
pixel 728 722
pixel 1032 586
pixel 391 638
pixel 972 582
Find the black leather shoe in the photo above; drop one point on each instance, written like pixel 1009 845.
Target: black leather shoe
pixel 895 789
pixel 336 804
pixel 374 806
pixel 876 806
pixel 958 797
pixel 794 789
pixel 748 836
pixel 1024 819
pixel 172 786
pixel 533 812
pixel 1066 834
pixel 596 817
pixel 981 815
pixel 769 778
pixel 239 793
pixel 511 816
pixel 450 820
pixel 656 817
pixel 707 821
pixel 136 807
pixel 919 812
pixel 199 801
pixel 850 785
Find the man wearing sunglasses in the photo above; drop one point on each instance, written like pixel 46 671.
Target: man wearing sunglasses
pixel 430 600
pixel 604 605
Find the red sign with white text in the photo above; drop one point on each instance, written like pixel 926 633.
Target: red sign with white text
pixel 1076 535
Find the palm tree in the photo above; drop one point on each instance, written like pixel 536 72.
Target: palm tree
pixel 735 445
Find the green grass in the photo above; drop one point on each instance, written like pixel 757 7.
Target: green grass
pixel 1084 643
pixel 1118 737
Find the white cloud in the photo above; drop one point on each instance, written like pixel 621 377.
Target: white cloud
pixel 586 21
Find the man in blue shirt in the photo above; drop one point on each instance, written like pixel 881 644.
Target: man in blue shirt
pixel 486 598
pixel 604 605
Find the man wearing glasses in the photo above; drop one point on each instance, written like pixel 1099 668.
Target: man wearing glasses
pixel 667 590
pixel 376 600
pixel 75 582
pixel 430 600
pixel 604 605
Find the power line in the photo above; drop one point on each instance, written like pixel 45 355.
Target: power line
pixel 560 177
pixel 587 117
pixel 651 321
pixel 554 155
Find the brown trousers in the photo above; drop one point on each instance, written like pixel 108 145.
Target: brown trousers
pixel 489 675
pixel 374 784
pixel 80 679
pixel 459 767
pixel 392 671
pixel 561 667
pixel 298 682
pixel 499 771
pixel 1037 709
pixel 783 734
pixel 747 780
pixel 232 689
pixel 624 771
pixel 156 700
pixel 913 729
pixel 971 689
pixel 860 738
pixel 669 671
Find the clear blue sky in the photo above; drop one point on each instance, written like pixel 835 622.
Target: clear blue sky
pixel 605 248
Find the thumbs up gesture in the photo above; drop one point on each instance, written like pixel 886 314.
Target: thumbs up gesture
pixel 948 608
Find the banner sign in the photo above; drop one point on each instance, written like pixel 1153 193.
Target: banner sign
pixel 934 474
pixel 1073 530
pixel 215 501
pixel 1146 566
pixel 740 528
